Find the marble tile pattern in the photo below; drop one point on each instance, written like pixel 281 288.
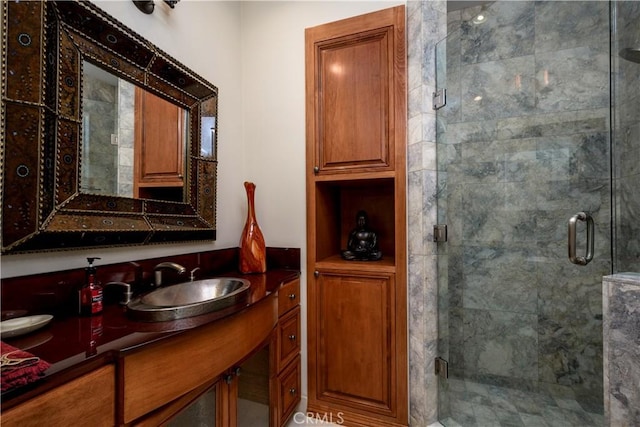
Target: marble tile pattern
pixel 626 137
pixel 621 297
pixel 481 405
pixel 523 144
pixel 98 171
pixel 126 135
pixel 426 25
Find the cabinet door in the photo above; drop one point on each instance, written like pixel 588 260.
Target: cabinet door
pixel 89 399
pixel 353 90
pixel 355 341
pixel 159 141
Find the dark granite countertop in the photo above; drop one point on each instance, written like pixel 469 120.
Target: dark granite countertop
pixel 66 343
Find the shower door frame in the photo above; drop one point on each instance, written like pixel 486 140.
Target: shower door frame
pixel 544 308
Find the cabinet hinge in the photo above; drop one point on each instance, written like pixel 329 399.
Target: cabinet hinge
pixel 441 367
pixel 440 233
pixel 439 99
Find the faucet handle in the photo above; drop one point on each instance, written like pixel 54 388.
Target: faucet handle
pixel 192 275
pixel 126 294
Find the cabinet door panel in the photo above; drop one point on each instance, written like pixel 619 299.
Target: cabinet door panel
pixel 353 82
pixel 353 107
pixel 355 342
pixel 160 140
pixel 60 406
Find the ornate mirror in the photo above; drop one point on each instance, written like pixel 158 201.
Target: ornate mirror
pixel 56 131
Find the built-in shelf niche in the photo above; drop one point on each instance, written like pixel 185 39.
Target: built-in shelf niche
pixel 337 203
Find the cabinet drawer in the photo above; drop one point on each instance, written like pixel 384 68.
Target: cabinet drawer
pixel 288 337
pixel 288 296
pixel 289 390
pixel 89 399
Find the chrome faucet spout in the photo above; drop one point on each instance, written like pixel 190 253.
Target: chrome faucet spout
pixel 157 270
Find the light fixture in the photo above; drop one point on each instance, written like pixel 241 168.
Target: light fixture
pixel 479 19
pixel 147 6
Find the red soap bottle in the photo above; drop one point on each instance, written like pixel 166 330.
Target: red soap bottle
pixel 91 292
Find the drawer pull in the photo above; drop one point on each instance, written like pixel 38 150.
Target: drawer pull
pixel 292 391
pixel 292 337
pixel 292 296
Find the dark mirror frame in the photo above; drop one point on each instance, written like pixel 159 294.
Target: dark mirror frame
pixel 45 43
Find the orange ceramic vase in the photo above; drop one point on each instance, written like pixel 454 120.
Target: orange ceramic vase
pixel 253 251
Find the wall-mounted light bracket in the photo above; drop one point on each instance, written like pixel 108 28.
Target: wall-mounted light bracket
pixel 147 6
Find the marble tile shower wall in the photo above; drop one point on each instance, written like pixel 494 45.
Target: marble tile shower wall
pixel 627 138
pixel 99 111
pixel 126 129
pixel 426 25
pixel 523 145
pixel 621 294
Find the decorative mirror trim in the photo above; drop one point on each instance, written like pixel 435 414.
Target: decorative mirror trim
pixel 45 43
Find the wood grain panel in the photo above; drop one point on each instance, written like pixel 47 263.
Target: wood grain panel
pixel 88 400
pixel 355 342
pixel 353 106
pixel 159 141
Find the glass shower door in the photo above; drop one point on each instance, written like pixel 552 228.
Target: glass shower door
pixel 522 147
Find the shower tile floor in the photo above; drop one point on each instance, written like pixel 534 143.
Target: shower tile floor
pixel 474 404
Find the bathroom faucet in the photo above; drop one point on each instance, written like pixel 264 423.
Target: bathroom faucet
pixel 126 291
pixel 192 276
pixel 157 271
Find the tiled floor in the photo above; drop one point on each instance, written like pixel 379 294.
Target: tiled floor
pixel 474 404
pixel 252 414
pixel 480 405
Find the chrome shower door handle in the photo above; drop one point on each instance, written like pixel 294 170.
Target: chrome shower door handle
pixel 580 260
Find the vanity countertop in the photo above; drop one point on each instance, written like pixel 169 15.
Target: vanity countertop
pixel 66 343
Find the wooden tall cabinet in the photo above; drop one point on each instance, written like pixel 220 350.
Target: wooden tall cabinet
pixel 356 160
pixel 160 142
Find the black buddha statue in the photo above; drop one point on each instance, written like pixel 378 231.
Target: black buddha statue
pixel 362 244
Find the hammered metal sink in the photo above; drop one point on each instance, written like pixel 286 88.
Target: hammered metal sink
pixel 188 299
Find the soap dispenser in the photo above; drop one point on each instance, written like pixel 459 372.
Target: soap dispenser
pixel 91 292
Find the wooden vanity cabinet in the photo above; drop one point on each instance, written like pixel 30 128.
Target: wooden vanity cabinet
pixel 88 400
pixel 253 355
pixel 158 375
pixel 158 383
pixel 356 160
